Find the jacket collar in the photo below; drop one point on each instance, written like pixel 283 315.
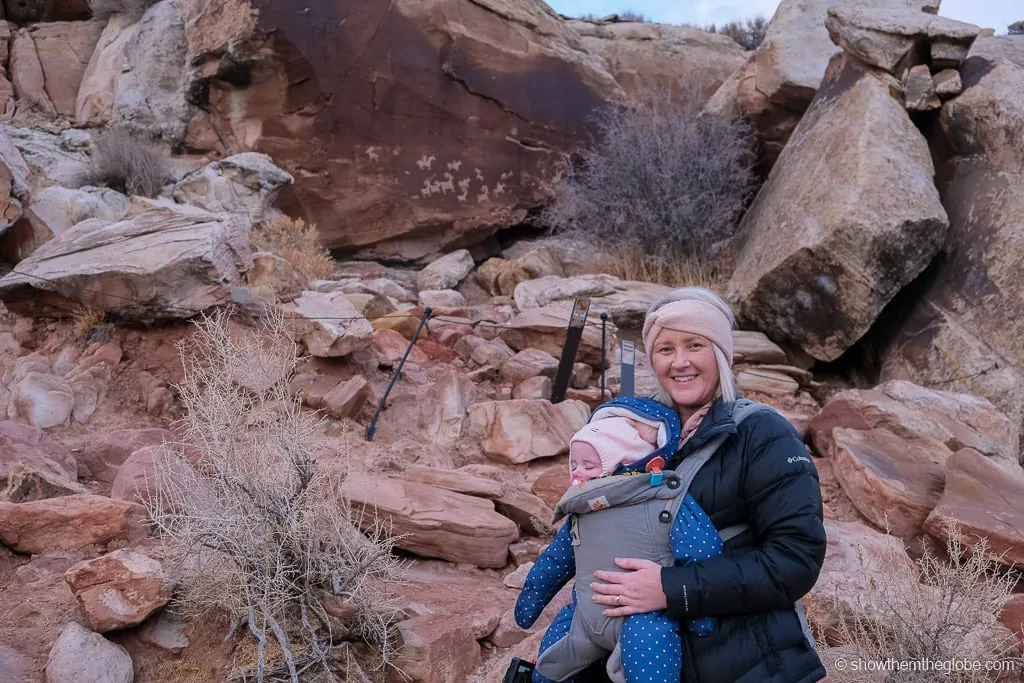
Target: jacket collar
pixel 719 420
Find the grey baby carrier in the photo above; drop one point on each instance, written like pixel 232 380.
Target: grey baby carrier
pixel 629 515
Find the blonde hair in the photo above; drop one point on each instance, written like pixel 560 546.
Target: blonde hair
pixel 726 379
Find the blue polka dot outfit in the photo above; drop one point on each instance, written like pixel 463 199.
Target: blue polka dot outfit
pixel 650 643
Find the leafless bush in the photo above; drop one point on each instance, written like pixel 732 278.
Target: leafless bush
pixel 749 33
pixel 661 180
pixel 125 162
pixel 258 525
pixel 931 613
pixel 627 15
pixel 101 9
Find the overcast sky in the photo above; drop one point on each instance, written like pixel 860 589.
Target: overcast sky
pixel 997 14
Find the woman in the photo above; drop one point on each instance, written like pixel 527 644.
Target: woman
pixel 760 476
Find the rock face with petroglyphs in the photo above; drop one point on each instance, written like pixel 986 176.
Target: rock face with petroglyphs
pixel 424 126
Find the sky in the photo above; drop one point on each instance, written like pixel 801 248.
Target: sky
pixel 997 14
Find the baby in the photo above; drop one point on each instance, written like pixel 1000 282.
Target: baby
pixel 625 436
pixel 601 447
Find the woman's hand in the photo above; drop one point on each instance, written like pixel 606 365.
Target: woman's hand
pixel 640 589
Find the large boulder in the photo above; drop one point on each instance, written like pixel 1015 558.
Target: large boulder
pixel 894 39
pixel 964 331
pixel 51 59
pixel 847 218
pixel 779 81
pixel 981 501
pixel 914 412
pixel 646 55
pixel 422 126
pixel 137 75
pixel 161 263
pixel 242 185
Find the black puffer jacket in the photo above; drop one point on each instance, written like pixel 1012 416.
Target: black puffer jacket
pixel 762 476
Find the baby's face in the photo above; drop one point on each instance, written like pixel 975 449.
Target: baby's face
pixel 584 463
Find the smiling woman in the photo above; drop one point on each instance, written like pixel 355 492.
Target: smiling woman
pixel 761 493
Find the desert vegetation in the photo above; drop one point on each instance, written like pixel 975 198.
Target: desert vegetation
pixel 297 242
pixel 940 609
pixel 256 521
pixel 125 161
pixel 102 9
pixel 663 184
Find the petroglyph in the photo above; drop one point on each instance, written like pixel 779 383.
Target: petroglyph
pixel 426 162
pixel 448 185
pixel 479 175
pixel 371 153
pixel 455 165
pixel 484 195
pixel 499 189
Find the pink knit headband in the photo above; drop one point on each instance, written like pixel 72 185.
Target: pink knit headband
pixel 695 317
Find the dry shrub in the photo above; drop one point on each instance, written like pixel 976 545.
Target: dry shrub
pixel 930 614
pixel 258 526
pixel 1015 29
pixel 661 180
pixel 296 242
pixel 749 33
pixel 101 9
pixel 126 162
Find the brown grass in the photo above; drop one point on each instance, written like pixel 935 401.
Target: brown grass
pixel 126 162
pixel 936 611
pixel 86 319
pixel 634 264
pixel 101 9
pixel 296 242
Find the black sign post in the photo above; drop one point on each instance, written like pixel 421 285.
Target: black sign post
pixel 573 335
pixel 628 364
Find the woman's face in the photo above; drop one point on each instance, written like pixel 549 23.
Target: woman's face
pixel 685 366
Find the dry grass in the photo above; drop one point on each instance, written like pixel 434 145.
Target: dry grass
pixel 937 611
pixel 126 162
pixel 634 264
pixel 296 242
pixel 667 183
pixel 257 524
pixel 86 319
pixel 101 9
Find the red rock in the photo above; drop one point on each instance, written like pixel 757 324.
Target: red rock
pixel 419 178
pixel 119 589
pixel 70 522
pixel 1012 616
pixel 390 346
pixel 436 350
pixel 985 501
pixel 435 522
pixel 552 482
pixel 31 446
pixel 521 430
pixel 856 556
pixel 104 453
pixel 892 481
